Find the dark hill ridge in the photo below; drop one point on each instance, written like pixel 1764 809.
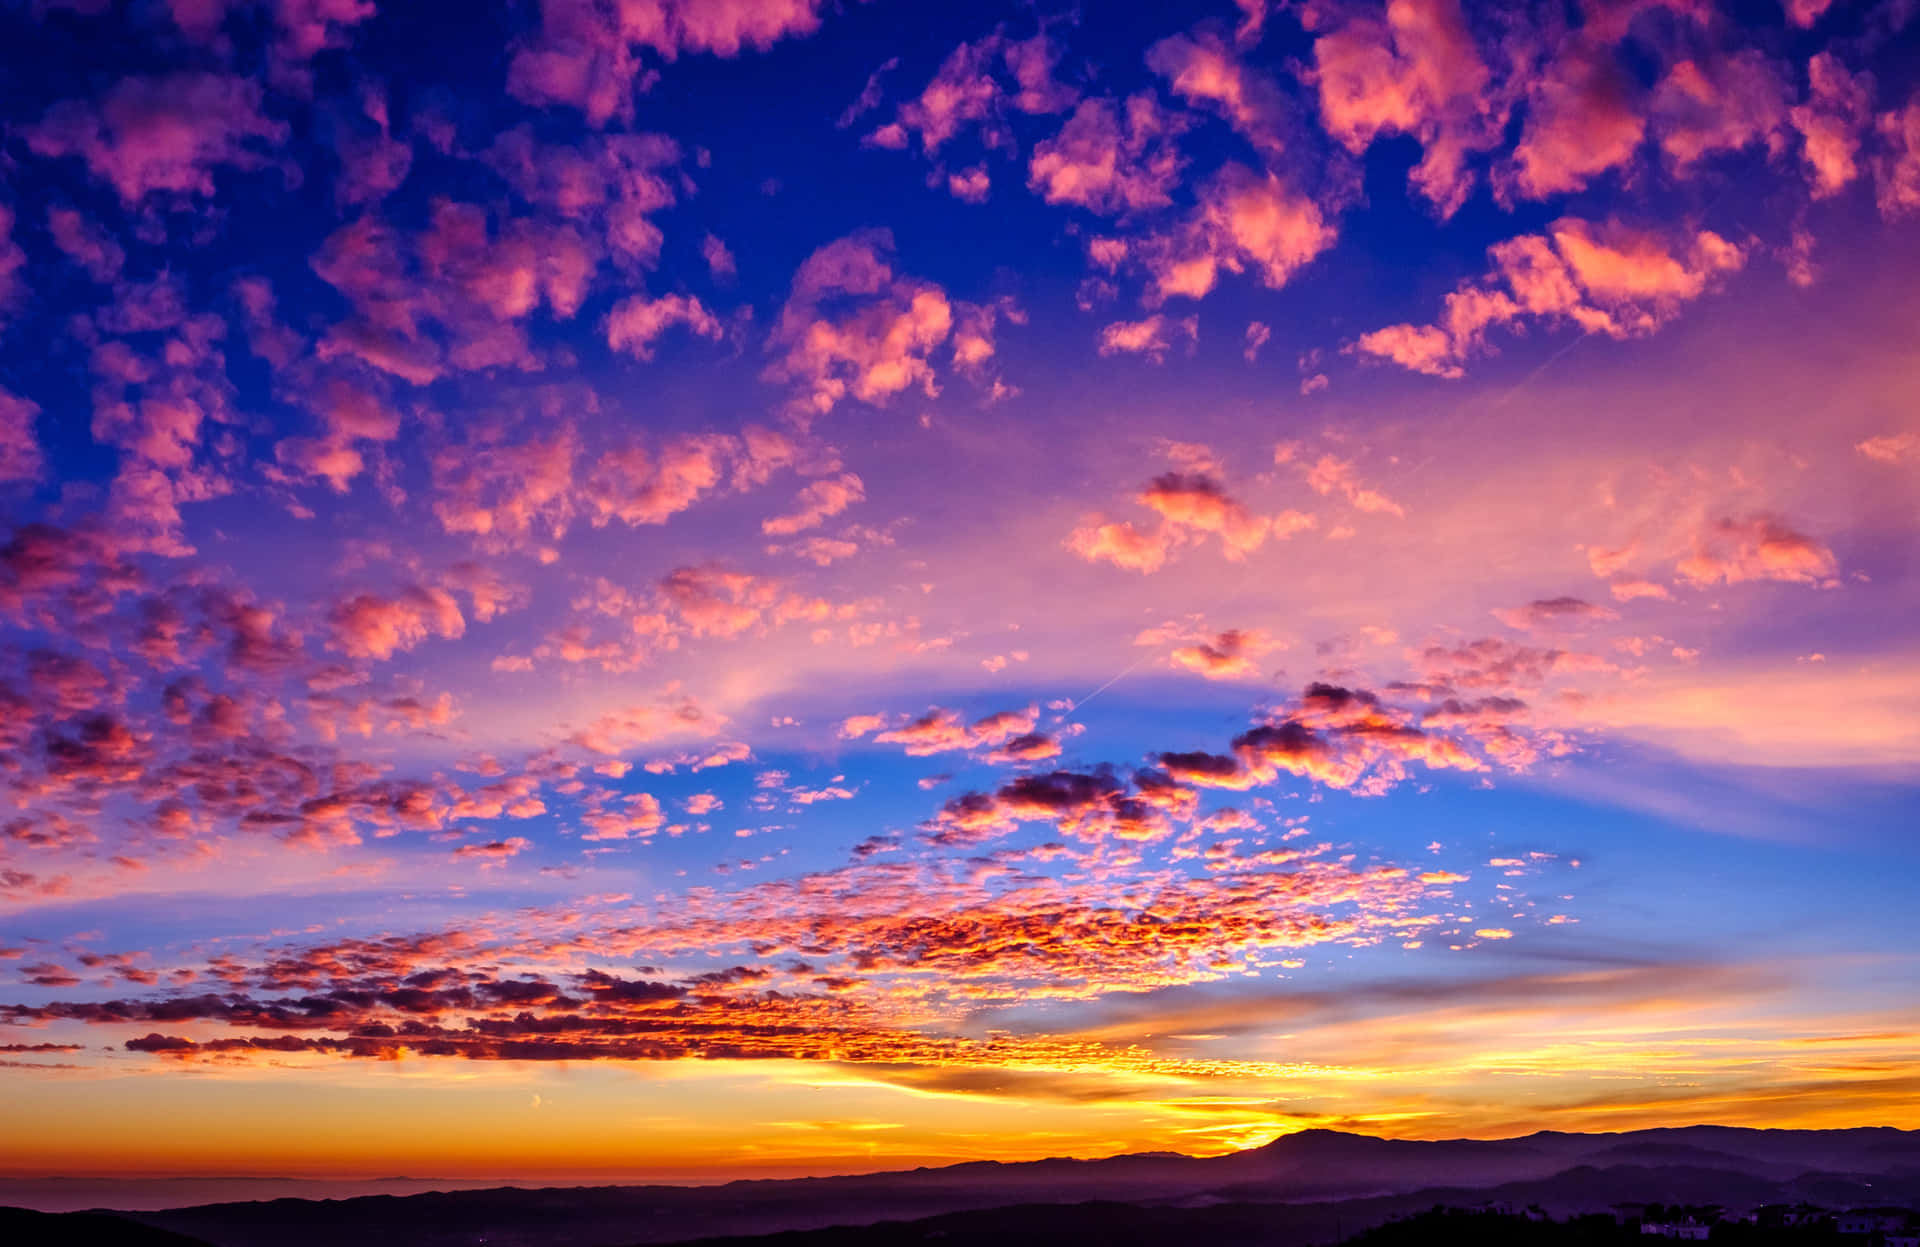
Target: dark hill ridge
pixel 22 1227
pixel 1357 1176
pixel 1697 1157
pixel 596 1217
pixel 56 1194
pixel 1229 1225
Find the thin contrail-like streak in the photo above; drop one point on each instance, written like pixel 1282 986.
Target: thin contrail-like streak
pixel 1555 357
pixel 1533 376
pixel 1135 666
pixel 1240 592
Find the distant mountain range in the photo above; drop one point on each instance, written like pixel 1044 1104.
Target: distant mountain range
pixel 1307 1188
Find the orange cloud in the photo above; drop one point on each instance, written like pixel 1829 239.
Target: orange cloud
pixel 1243 221
pixel 1110 159
pixel 1196 502
pixel 1583 119
pixel 1756 547
pixel 881 346
pixel 368 626
pixel 1149 337
pixel 816 503
pixel 940 731
pixel 1232 655
pixel 1121 544
pixel 1609 278
pixel 1896 170
pixel 1416 72
pixel 1832 123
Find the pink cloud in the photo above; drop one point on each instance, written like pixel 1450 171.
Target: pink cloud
pixel 615 732
pixel 818 501
pixel 586 56
pixel 637 815
pixel 1244 220
pixel 1832 123
pixel 452 297
pixel 1121 544
pixel 1610 278
pixel 304 27
pixel 882 343
pixel 942 731
pixel 1331 474
pixel 20 457
pixel 1804 13
pixel 1190 505
pixel 1633 590
pixel 1203 70
pixel 514 797
pixel 972 185
pixel 720 261
pixel 1563 614
pixel 1637 274
pixel 974 342
pixel 1417 348
pixel 1896 170
pixel 371 168
pixel 1716 104
pixel 1110 160
pixel 1150 336
pixel 199 20
pixel 637 321
pixel 12 260
pixel 1197 502
pixel 511 485
pixel 308 27
pixel 1342 738
pixel 610 185
pixel 1583 118
pixel 1890 447
pixel 626 484
pixel 493 852
pixel 968 93
pixel 722 27
pixel 370 626
pixel 163 410
pixel 162 134
pixel 1756 547
pixel 1032 63
pixel 961 94
pixel 503 490
pixel 1230 655
pixel 1417 72
pixel 855 726
pixel 711 600
pixel 86 244
pixel 349 414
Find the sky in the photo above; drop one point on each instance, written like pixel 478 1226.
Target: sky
pixel 709 588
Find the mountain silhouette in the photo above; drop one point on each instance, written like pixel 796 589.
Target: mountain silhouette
pixel 1309 1188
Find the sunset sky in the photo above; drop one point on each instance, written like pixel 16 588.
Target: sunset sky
pixel 699 588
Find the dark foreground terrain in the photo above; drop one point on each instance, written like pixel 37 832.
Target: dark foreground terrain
pixel 1244 1225
pixel 1317 1187
pixel 23 1227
